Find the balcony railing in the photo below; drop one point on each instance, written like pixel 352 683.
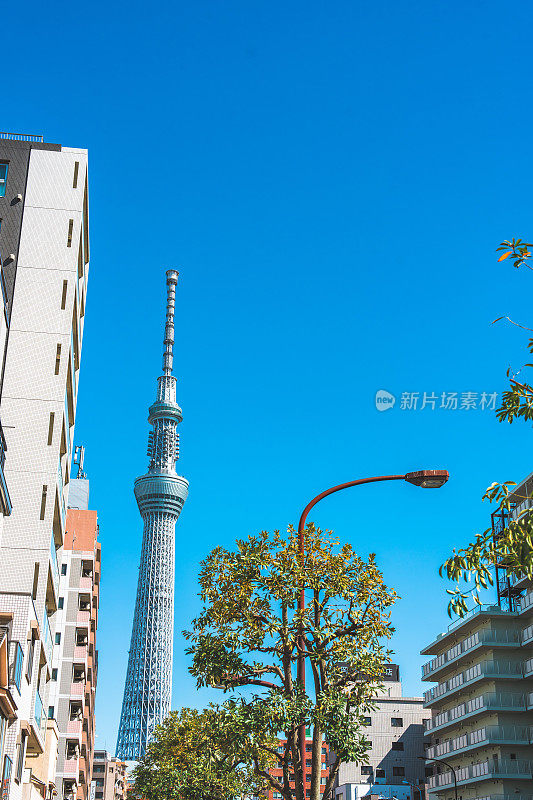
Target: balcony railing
pixel 489 734
pixel 491 701
pixel 525 602
pixel 490 636
pixel 484 769
pixel 486 669
pixel 21 137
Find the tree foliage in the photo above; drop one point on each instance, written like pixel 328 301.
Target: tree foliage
pixel 245 641
pixel 196 755
pixel 512 547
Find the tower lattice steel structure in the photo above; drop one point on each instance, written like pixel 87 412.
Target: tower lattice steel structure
pixel 160 496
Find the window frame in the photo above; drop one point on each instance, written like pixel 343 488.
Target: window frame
pixel 3 179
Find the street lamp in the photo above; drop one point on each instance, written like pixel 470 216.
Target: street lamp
pixel 440 761
pixel 425 478
pixel 415 788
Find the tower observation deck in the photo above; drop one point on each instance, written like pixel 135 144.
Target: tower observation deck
pixel 160 495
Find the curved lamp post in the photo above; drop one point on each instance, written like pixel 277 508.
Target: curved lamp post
pixel 425 478
pixel 440 761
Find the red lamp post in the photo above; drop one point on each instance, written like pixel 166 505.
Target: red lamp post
pixel 426 479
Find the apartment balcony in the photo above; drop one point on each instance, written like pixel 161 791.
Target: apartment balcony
pixel 486 669
pixel 491 701
pixel 80 654
pixel 71 769
pixel 77 689
pixel 83 619
pixel 485 770
pixel 525 604
pixel 527 635
pixel 74 729
pixel 489 734
pixel 484 638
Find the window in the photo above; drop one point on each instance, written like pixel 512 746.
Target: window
pixel 396 722
pixel 323 780
pixel 54 674
pixel 428 771
pixel 29 663
pixel 58 359
pixel 51 712
pixel 308 763
pixel 397 745
pixel 380 773
pixel 64 295
pixel 308 748
pixel 367 770
pixel 17 665
pixel 324 751
pixel 21 755
pixel 398 772
pixel 367 720
pixel 6 775
pixel 61 600
pixel 51 427
pixel 512 756
pixel 63 569
pixel 308 792
pixel 3 178
pixel 43 502
pixel 69 237
pixel 58 638
pixel 75 178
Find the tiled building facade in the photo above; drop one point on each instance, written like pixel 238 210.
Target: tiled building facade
pixel 109 781
pixel 75 658
pixel 482 701
pixel 278 770
pixel 45 253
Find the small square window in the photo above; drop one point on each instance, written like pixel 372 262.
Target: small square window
pixel 367 770
pixel 61 601
pixel 397 745
pixel 396 722
pixel 398 772
pixel 63 569
pixel 512 756
pixel 3 178
pixel 380 773
pixel 367 720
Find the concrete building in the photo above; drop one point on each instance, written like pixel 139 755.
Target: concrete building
pixel 482 703
pixel 396 731
pixel 109 777
pixel 45 254
pixel 75 658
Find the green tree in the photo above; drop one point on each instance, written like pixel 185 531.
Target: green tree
pixel 513 547
pixel 245 641
pixel 196 755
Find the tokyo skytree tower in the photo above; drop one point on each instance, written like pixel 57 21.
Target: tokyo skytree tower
pixel 160 495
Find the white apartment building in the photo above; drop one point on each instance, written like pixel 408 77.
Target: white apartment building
pixel 109 777
pixel 482 703
pixel 396 730
pixel 45 254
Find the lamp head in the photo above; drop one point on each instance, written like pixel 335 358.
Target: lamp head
pixel 428 478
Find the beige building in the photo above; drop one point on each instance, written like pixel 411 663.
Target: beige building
pixel 45 254
pixel 109 777
pixel 482 701
pixel 396 731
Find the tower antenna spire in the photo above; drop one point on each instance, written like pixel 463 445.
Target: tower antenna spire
pixel 168 355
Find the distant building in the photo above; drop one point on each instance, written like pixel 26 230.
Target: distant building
pixel 109 777
pixel 44 244
pixel 278 771
pixel 482 701
pixel 396 731
pixel 75 658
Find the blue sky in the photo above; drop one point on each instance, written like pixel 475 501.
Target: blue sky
pixel 331 180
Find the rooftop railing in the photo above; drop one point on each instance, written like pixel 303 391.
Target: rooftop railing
pixel 21 137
